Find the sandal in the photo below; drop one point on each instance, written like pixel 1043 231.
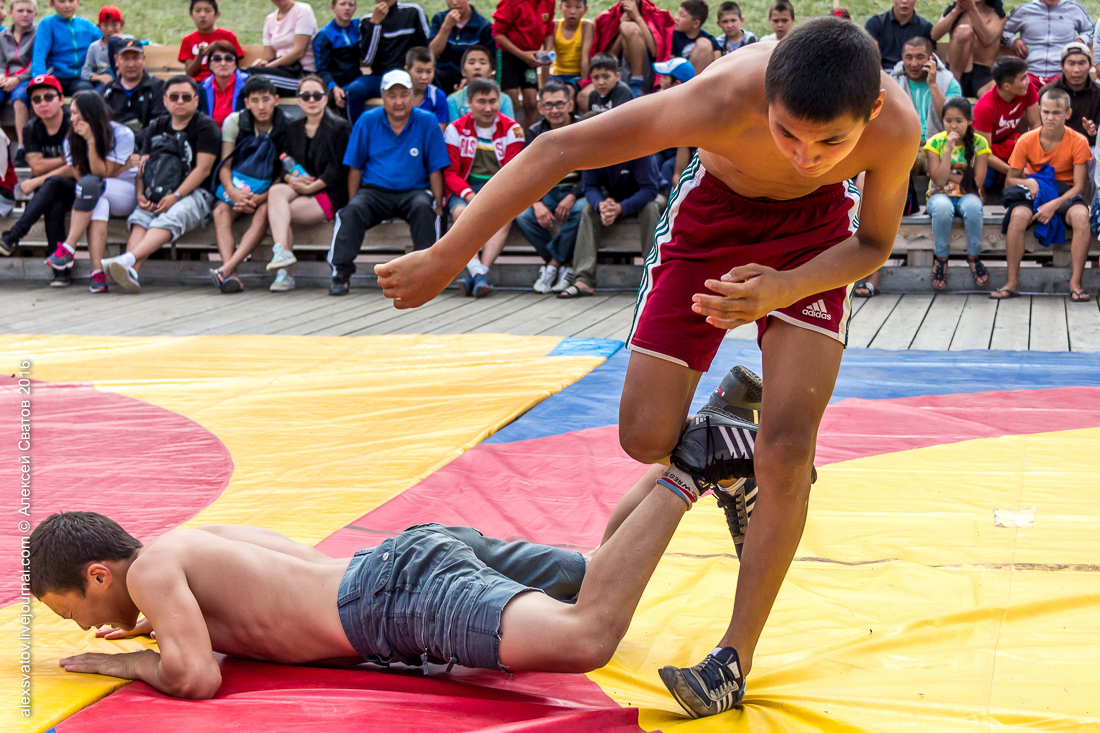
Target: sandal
pixel 1004 294
pixel 977 270
pixel 232 284
pixel 574 292
pixel 939 273
pixel 1079 296
pixel 865 290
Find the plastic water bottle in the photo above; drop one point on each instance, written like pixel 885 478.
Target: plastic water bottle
pixel 292 167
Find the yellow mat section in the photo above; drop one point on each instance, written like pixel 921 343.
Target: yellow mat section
pixel 356 420
pixel 906 609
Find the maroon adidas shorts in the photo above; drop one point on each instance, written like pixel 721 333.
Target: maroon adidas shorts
pixel 707 231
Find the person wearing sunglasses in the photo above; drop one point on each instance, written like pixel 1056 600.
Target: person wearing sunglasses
pixel 53 183
pixel 135 97
pixel 317 142
pixel 562 204
pixel 222 93
pixel 156 223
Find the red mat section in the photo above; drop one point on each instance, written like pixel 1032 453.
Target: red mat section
pixel 557 490
pixel 145 467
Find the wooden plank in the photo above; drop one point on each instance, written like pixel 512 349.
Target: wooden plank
pixel 1049 330
pixel 58 308
pixel 1084 325
pixel 526 311
pixel 615 327
pixel 1012 327
pixel 901 326
pixel 380 322
pixel 460 314
pixel 562 310
pixel 333 317
pixel 573 324
pixel 866 324
pixel 257 314
pixel 975 324
pixel 939 324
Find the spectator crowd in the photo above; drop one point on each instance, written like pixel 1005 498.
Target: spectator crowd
pixel 404 117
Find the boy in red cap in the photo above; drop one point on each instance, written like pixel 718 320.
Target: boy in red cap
pixel 98 67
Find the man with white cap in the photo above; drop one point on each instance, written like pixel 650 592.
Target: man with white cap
pixel 1084 94
pixel 395 155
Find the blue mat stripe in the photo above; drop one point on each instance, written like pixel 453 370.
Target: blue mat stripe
pixel 867 373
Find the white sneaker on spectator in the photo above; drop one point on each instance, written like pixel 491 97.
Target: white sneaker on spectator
pixel 280 258
pixel 547 275
pixel 283 282
pixel 565 279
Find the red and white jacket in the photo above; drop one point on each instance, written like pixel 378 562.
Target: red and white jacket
pixel 461 139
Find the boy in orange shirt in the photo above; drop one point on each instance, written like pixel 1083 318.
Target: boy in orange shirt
pixel 1067 152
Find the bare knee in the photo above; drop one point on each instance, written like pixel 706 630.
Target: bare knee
pixel 1021 217
pixel 783 459
pixel 1078 217
pixel 628 29
pixel 962 34
pixel 646 441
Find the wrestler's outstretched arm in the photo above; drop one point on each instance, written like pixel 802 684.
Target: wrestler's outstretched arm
pixel 673 118
pixel 539 633
pixel 185 665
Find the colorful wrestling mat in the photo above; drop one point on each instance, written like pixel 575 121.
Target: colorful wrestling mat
pixel 947 580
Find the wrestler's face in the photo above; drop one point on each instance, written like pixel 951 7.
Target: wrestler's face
pixel 814 148
pixel 103 602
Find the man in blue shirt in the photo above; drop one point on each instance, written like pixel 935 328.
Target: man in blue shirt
pixel 613 193
pixel 395 153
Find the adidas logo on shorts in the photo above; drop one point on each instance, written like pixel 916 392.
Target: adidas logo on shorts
pixel 817 310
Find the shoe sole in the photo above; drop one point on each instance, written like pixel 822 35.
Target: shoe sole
pixel 482 292
pixel 753 384
pixel 55 268
pixel 674 681
pixel 273 265
pixel 280 289
pixel 119 274
pixel 60 283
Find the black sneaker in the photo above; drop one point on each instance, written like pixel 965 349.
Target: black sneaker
pixel 8 243
pixel 738 395
pixel 713 686
pixel 61 279
pixel 716 446
pixel 19 160
pixel 340 286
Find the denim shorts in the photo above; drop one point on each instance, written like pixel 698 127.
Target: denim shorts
pixel 436 594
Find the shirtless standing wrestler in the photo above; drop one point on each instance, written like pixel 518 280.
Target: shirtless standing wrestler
pixel 431 594
pixel 763 226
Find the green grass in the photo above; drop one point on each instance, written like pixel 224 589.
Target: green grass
pixel 167 21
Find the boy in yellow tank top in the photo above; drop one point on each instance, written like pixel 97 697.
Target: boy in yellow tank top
pixel 572 44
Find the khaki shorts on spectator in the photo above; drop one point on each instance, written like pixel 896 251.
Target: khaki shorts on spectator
pixel 187 214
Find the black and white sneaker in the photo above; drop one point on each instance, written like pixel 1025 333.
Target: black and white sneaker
pixel 713 686
pixel 716 446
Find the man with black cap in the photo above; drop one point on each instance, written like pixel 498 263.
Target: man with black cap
pixel 1084 94
pixel 397 153
pixel 136 98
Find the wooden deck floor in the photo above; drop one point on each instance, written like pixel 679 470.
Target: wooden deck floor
pixel 932 322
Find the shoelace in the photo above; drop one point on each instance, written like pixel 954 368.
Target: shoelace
pixel 718 677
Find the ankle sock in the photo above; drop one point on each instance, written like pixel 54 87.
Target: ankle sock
pixel 476 268
pixel 66 246
pixel 679 482
pixel 127 259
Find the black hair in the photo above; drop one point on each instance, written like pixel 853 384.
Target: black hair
pixel 477 48
pixel 1007 68
pixel 1058 94
pixel 585 2
pixel 824 69
pixel 64 544
pixel 182 79
pixel 729 7
pixel 259 84
pixel 418 54
pixel 553 86
pixel 925 43
pixel 603 62
pixel 213 3
pixel 697 9
pixel 781 6
pixel 481 86
pixel 95 112
pixel 223 46
pixel 962 106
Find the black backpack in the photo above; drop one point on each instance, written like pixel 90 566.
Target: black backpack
pixel 168 165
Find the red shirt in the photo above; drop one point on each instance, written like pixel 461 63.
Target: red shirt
pixel 224 101
pixel 190 45
pixel 525 23
pixel 994 115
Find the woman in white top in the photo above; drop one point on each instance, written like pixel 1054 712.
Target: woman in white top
pixel 99 151
pixel 288 45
